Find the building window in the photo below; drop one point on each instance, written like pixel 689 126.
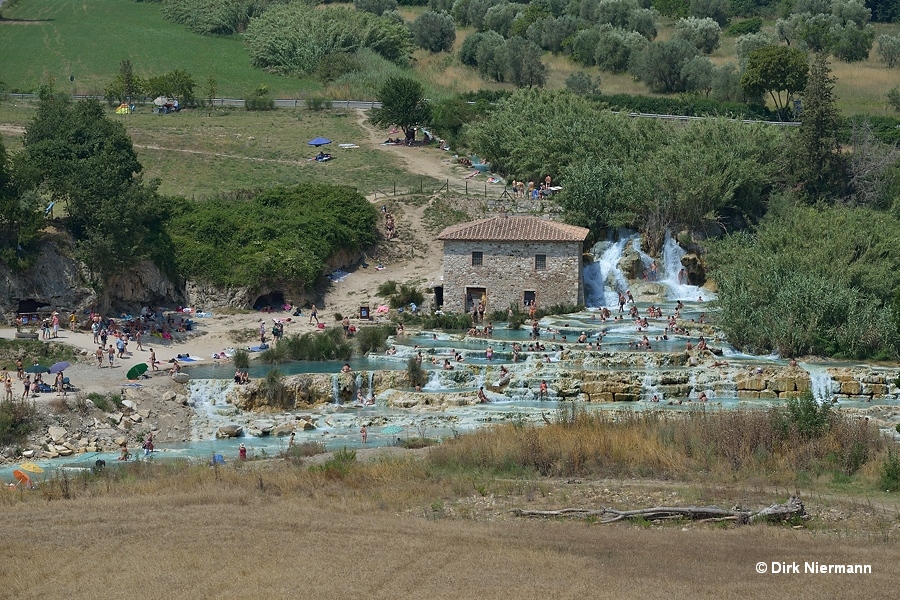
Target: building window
pixel 540 262
pixel 477 259
pixel 529 297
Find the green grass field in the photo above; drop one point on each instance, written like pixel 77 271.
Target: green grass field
pixel 199 153
pixel 56 39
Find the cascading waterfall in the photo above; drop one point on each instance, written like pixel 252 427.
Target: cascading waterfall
pixel 603 280
pixel 434 382
pixel 649 389
pixel 674 276
pixel 205 395
pixel 371 389
pixel 820 383
pixel 336 389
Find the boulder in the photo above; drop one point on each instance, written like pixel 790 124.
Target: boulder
pixel 282 430
pixel 631 264
pixel 305 425
pixel 181 378
pixel 694 269
pixel 169 396
pixel 57 434
pixel 28 454
pixel 130 405
pixel 229 431
pixel 119 441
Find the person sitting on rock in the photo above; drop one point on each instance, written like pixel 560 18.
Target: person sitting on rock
pixel 447 365
pixel 482 397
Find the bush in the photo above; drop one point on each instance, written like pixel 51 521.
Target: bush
pixel 17 421
pixel 318 103
pixel 387 288
pixel 406 295
pixel 373 339
pixel 889 473
pixel 889 49
pixel 447 321
pixel 108 402
pixel 807 417
pixel 259 99
pixel 313 345
pixel 337 467
pixel 415 372
pixel 241 359
pixel 579 82
pixel 280 237
pixel 659 65
pixel 752 25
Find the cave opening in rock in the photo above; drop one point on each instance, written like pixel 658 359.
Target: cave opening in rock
pixel 272 300
pixel 31 306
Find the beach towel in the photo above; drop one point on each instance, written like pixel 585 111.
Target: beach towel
pixel 258 348
pixel 472 174
pixel 338 276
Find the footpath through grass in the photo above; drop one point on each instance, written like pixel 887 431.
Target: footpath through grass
pixel 58 39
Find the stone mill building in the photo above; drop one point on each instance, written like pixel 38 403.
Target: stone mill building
pixel 511 260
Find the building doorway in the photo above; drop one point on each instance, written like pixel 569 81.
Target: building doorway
pixel 528 297
pixel 474 295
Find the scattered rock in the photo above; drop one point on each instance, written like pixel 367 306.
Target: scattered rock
pixel 57 434
pixel 229 431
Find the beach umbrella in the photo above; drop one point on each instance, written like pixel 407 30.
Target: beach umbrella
pixel 136 371
pixel 319 141
pixel 60 366
pixel 37 369
pixel 31 467
pixel 161 101
pixel 392 429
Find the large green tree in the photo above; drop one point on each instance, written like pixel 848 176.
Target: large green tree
pixel 403 104
pixel 85 161
pixel 20 220
pixel 820 167
pixel 778 71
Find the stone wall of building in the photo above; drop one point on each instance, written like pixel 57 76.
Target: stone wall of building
pixel 508 271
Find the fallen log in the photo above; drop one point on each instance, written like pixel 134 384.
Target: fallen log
pixel 776 512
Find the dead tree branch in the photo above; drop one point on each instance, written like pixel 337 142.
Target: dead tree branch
pixel 776 512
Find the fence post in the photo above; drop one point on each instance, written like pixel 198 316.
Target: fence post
pixel 485 190
pixel 395 188
pixel 421 184
pixel 467 188
pixel 448 187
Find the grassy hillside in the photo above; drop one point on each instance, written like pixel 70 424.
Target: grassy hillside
pixel 56 39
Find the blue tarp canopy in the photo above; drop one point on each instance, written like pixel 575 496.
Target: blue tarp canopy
pixel 319 141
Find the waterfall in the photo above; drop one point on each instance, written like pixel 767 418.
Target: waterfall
pixel 205 395
pixel 649 389
pixel 434 382
pixel 336 389
pixel 371 385
pixel 820 384
pixel 603 272
pixel 674 278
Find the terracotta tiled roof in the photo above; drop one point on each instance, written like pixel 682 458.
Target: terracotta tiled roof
pixel 514 229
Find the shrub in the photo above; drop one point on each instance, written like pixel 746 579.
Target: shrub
pixel 318 103
pixel 106 402
pixel 807 417
pixel 338 466
pixel 387 288
pixel 449 321
pixel 579 82
pixel 241 359
pixel 17 420
pixel 889 472
pixel 415 372
pixel 889 49
pixel 405 295
pixel 752 25
pixel 259 99
pixel 313 345
pixel 373 339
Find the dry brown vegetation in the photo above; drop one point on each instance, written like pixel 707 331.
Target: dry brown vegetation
pixel 391 528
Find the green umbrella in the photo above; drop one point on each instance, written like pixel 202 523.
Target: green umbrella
pixel 136 371
pixel 37 369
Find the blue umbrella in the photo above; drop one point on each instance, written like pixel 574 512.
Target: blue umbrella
pixel 319 141
pixel 60 366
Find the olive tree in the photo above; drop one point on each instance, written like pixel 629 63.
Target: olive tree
pixel 778 71
pixel 702 33
pixel 434 31
pixel 889 49
pixel 402 104
pixel 660 64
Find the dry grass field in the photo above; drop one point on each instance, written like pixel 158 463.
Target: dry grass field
pixel 279 531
